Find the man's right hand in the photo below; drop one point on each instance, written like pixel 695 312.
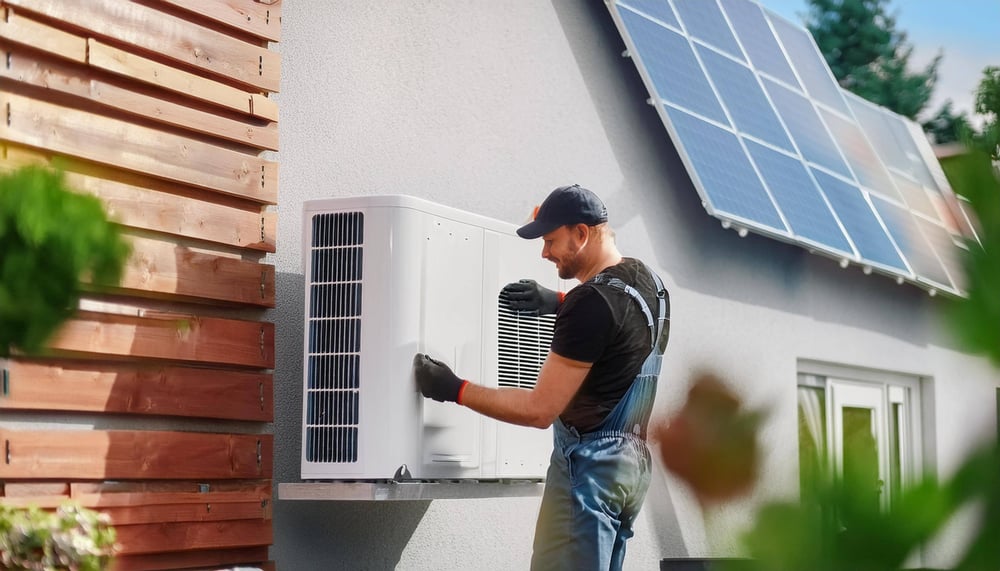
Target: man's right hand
pixel 527 295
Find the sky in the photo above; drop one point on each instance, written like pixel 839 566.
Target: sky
pixel 966 32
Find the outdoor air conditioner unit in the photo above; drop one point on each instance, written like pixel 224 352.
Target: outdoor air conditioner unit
pixel 387 277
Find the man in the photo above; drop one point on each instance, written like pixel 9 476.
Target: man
pixel 596 386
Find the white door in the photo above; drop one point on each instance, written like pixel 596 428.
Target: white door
pixel 857 415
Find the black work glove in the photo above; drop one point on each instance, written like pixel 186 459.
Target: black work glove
pixel 436 380
pixel 527 295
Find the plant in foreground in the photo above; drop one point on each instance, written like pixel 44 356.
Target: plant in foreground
pixel 70 539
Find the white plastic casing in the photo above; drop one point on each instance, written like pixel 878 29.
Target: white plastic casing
pixel 387 277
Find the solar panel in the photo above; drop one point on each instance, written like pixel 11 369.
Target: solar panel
pixel 865 228
pixel 704 20
pixel 748 106
pixel 800 200
pixel 655 9
pixel 808 62
pixel 775 146
pixel 759 42
pixel 667 55
pixel 729 186
pixel 904 230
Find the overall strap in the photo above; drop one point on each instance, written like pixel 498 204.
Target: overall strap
pixel 656 325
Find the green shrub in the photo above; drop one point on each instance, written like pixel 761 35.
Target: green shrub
pixel 52 240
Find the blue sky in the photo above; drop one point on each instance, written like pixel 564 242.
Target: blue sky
pixel 966 31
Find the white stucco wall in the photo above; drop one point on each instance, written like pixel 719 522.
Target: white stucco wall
pixel 488 105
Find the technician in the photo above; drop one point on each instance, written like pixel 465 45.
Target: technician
pixel 596 387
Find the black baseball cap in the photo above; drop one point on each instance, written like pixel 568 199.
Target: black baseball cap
pixel 565 205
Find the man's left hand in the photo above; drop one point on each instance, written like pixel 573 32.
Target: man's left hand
pixel 436 380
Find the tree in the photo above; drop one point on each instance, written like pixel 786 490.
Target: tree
pixel 869 56
pixel 988 105
pixel 947 127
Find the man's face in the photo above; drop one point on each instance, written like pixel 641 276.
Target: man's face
pixel 562 247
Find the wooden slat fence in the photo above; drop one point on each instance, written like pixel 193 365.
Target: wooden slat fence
pixel 162 109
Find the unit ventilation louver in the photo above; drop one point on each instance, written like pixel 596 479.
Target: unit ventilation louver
pixel 333 387
pixel 523 342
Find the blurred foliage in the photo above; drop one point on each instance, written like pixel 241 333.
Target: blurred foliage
pixel 977 318
pixel 869 56
pixel 837 526
pixel 70 539
pixel 711 443
pixel 51 240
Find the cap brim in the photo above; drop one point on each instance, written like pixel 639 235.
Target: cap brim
pixel 536 229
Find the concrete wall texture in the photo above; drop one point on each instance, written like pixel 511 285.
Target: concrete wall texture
pixel 486 106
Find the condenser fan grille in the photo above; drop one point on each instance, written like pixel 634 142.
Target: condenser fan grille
pixel 334 344
pixel 523 341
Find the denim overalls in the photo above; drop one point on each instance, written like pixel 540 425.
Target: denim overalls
pixel 596 481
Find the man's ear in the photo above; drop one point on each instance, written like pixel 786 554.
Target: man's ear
pixel 581 232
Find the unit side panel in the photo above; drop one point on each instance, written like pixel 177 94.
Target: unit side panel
pixel 451 331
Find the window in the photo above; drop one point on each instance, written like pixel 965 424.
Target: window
pixel 860 423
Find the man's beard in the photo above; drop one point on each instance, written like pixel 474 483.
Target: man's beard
pixel 570 266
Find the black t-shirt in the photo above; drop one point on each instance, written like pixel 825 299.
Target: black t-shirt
pixel 604 325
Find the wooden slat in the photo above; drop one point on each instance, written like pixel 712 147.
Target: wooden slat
pixel 202 559
pixel 170 336
pixel 25 31
pixel 123 454
pixel 135 389
pixel 176 81
pixel 154 513
pixel 110 494
pixel 150 151
pixel 172 513
pixel 173 491
pixel 11 491
pixel 151 204
pixel 261 106
pixel 163 537
pixel 168 36
pixel 100 495
pixel 259 19
pixel 166 270
pixel 28 68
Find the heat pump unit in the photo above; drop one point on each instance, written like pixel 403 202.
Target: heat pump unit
pixel 387 277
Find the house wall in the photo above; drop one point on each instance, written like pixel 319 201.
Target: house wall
pixel 486 106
